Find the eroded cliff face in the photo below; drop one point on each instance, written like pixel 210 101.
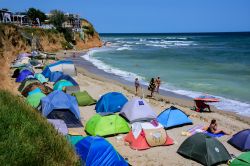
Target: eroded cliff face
pixel 13 41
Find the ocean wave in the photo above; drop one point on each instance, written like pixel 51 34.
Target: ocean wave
pixel 107 68
pixel 123 48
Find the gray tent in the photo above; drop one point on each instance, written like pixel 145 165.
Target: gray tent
pixel 59 125
pixel 138 110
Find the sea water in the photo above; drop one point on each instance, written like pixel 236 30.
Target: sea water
pixel 189 64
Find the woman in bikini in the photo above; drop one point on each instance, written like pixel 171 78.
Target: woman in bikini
pixel 212 128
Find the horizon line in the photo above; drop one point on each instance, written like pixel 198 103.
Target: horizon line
pixel 172 32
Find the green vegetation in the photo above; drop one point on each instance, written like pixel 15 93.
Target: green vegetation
pixel 57 18
pixel 36 13
pixel 27 139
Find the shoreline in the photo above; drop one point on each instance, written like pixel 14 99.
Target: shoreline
pixel 87 68
pixel 97 85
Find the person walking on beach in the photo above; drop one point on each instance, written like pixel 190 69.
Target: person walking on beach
pixel 151 86
pixel 157 83
pixel 137 85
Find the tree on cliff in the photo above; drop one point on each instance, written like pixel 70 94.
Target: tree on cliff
pixel 57 18
pixel 36 13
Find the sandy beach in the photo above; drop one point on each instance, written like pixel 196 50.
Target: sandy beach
pixel 97 85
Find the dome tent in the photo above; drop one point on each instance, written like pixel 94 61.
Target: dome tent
pixel 62 83
pixel 241 160
pixel 139 139
pixel 108 124
pixel 173 117
pixel 40 78
pixel 68 78
pixel 64 66
pixel 111 102
pixel 34 99
pixel 96 151
pixel 59 105
pixel 204 149
pixel 84 99
pixel 55 75
pixel 138 110
pixel 23 75
pixel 241 140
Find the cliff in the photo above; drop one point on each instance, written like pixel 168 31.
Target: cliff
pixel 15 40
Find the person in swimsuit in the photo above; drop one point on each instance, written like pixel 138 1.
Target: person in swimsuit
pixel 137 85
pixel 212 128
pixel 151 86
pixel 158 83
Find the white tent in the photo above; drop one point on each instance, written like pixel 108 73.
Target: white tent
pixel 137 110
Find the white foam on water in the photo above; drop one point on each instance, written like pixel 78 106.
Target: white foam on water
pixel 123 48
pixel 107 68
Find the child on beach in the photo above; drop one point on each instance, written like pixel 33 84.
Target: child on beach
pixel 158 83
pixel 137 85
pixel 151 86
pixel 212 128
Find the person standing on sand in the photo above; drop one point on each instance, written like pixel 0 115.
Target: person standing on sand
pixel 137 85
pixel 157 83
pixel 151 86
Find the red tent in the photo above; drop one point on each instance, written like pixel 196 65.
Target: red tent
pixel 141 143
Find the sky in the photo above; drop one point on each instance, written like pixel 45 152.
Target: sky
pixel 150 16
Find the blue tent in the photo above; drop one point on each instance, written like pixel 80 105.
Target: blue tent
pixel 241 140
pixel 173 117
pixel 68 78
pixel 66 66
pixel 23 75
pixel 111 102
pixel 96 151
pixel 59 105
pixel 55 75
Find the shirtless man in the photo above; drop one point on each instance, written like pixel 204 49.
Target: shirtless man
pixel 158 83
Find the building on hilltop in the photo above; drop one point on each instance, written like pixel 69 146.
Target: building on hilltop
pixel 18 18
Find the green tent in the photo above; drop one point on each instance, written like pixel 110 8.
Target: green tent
pixel 242 160
pixel 106 125
pixel 62 83
pixel 83 98
pixel 34 99
pixel 40 78
pixel 204 149
pixel 73 139
pixel 26 83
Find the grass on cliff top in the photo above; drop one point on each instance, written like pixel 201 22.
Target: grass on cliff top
pixel 27 139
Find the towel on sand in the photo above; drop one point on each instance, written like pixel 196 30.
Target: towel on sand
pixel 199 129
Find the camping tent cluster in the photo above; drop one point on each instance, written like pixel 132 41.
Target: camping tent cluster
pixel 57 96
pixel 55 93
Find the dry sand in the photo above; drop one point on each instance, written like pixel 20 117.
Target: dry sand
pixel 156 156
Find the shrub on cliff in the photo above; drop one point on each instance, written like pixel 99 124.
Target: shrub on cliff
pixel 36 13
pixel 26 137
